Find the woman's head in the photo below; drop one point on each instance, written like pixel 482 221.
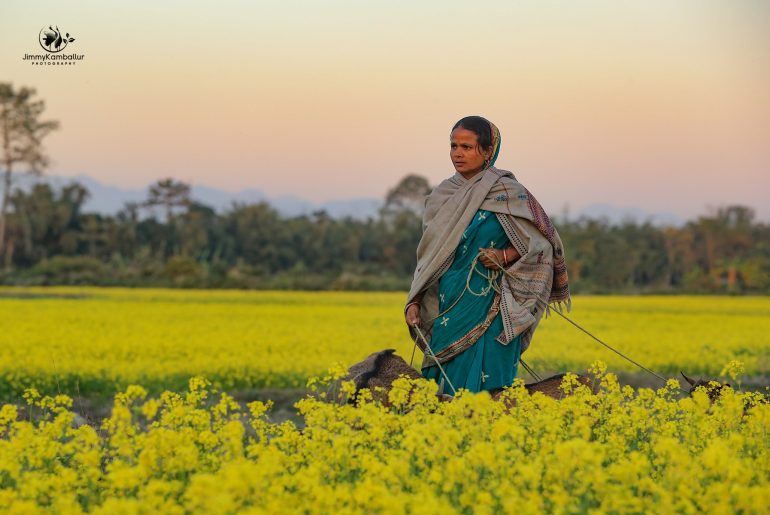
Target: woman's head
pixel 474 144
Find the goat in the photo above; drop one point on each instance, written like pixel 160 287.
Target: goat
pixel 714 390
pixel 550 386
pixel 713 387
pixel 383 367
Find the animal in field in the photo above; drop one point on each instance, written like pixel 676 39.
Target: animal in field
pixel 550 386
pixel 713 387
pixel 380 369
pixel 383 367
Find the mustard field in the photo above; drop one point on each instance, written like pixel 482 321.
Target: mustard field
pixel 176 442
pixel 100 340
pixel 620 451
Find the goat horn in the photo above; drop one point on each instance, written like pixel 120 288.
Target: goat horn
pixel 692 383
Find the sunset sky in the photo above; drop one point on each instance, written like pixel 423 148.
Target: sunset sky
pixel 664 105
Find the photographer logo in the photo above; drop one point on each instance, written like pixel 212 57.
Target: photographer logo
pixel 53 40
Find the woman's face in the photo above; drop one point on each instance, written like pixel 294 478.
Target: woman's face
pixel 465 153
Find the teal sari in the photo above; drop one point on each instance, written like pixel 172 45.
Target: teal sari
pixel 486 364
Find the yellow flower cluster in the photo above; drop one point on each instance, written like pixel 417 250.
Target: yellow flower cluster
pixel 620 451
pixel 99 340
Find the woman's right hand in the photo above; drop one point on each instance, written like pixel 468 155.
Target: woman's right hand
pixel 412 315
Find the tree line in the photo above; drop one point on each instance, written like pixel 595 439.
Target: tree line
pixel 172 240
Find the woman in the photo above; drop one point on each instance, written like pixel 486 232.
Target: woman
pixel 489 263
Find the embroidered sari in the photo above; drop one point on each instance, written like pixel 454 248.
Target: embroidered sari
pixel 479 340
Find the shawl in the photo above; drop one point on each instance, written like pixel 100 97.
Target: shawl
pixel 540 274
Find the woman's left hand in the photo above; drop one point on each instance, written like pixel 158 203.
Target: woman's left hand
pixel 491 258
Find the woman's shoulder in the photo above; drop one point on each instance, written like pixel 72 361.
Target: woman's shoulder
pixel 507 176
pixel 508 184
pixel 440 193
pixel 436 198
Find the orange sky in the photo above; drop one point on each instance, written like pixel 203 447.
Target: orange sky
pixel 664 105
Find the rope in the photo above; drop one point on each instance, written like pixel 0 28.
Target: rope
pixel 492 276
pixel 419 333
pixel 531 372
pixel 609 347
pixel 565 317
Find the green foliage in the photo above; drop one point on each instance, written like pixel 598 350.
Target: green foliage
pixel 70 270
pixel 51 241
pixel 183 271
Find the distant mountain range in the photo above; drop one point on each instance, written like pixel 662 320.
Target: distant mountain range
pixel 107 199
pixel 617 214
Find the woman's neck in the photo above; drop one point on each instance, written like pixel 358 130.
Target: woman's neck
pixel 470 175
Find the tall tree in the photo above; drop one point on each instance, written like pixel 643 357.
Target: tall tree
pixel 169 194
pixel 408 195
pixel 22 134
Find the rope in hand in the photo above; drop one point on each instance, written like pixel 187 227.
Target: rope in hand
pixel 492 276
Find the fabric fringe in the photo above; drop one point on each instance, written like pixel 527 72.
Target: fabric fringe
pixel 559 305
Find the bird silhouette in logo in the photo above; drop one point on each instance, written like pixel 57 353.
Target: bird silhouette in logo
pixel 52 40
